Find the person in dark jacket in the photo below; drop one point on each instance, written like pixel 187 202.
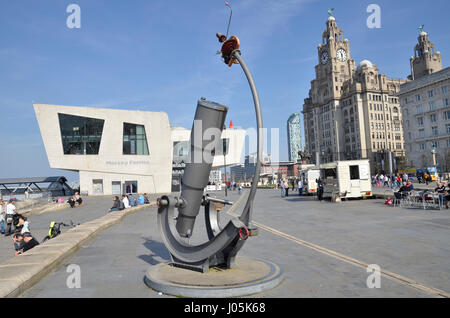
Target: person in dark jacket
pixel 24 242
pixel 320 189
pixel 116 204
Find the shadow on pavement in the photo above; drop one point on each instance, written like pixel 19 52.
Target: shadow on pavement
pixel 158 250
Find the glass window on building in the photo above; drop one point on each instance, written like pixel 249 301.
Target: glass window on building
pixel 421 133
pixel 134 140
pixel 434 131
pixel 433 118
pixel 131 187
pixel 80 135
pixel 434 144
pixel 181 149
pixel 432 105
pixel 420 121
pixel 224 148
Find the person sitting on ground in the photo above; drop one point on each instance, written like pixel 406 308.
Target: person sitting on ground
pixel 72 202
pixel 125 201
pixel 60 200
pixel 21 224
pixel 25 225
pixel 147 201
pixel 28 242
pixel 141 200
pixel 116 204
pixel 78 198
pixel 17 239
pixel 132 200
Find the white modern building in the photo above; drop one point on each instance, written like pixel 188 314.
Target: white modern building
pixel 120 151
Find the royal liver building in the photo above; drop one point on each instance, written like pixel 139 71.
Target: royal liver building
pixel 352 112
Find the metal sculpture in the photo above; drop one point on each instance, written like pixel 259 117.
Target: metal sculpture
pixel 223 243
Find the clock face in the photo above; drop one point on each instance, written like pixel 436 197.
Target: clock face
pixel 324 57
pixel 341 55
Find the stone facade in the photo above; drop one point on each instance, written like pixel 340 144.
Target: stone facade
pixel 352 112
pixel 426 59
pixel 426 111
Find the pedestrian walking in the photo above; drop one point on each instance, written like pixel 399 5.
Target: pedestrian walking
pixel 2 216
pixel 286 187
pixel 320 189
pixel 10 212
pixel 300 187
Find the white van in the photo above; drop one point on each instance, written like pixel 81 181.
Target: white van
pixel 346 179
pixel 309 178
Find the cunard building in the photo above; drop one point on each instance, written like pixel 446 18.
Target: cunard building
pixel 352 111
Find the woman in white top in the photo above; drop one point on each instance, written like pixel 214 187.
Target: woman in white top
pixel 300 187
pixel 125 201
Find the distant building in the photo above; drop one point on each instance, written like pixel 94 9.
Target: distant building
pixel 237 173
pixel 250 164
pixel 426 59
pixel 281 170
pixel 352 112
pixel 425 103
pixel 294 137
pixel 215 177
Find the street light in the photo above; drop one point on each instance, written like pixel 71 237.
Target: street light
pixel 225 160
pixel 433 152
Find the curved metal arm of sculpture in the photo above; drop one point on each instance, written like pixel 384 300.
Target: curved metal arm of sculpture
pixel 247 212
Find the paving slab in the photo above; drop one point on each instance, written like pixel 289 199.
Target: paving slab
pixel 28 268
pixel 320 246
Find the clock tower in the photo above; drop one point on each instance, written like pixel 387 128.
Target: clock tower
pixel 426 59
pixel 335 63
pixel 352 112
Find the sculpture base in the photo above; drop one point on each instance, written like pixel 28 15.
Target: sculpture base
pixel 247 277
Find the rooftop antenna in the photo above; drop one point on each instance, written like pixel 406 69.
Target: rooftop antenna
pixel 229 21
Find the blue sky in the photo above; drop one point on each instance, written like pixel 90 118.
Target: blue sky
pixel 160 55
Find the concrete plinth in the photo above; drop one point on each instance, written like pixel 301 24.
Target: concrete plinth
pixel 247 277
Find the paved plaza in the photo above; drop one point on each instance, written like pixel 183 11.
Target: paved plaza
pixel 323 248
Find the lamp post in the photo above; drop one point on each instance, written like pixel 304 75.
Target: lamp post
pixel 225 161
pixel 433 152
